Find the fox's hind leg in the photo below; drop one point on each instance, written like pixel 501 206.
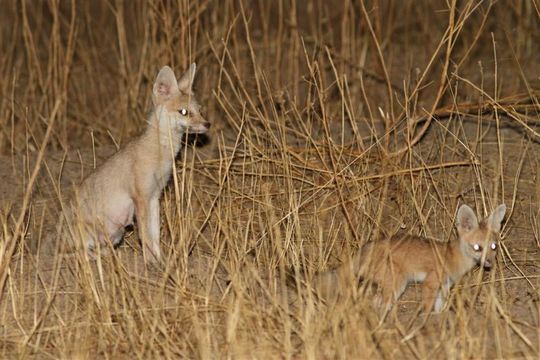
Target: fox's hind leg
pixel 392 284
pixel 99 238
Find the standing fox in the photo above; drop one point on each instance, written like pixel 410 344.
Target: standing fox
pixel 131 181
pixel 393 263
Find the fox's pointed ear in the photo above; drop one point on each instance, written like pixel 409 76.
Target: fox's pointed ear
pixel 466 220
pixel 495 219
pixel 186 81
pixel 165 85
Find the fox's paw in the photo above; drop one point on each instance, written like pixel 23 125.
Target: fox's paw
pixel 153 261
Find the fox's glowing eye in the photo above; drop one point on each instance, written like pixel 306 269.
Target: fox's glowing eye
pixel 183 112
pixel 493 246
pixel 477 247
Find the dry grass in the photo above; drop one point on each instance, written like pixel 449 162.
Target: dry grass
pixel 335 122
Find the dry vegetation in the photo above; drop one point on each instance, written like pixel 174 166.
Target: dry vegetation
pixel 334 122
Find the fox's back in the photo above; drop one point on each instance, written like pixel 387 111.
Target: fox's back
pixel 411 255
pixel 97 186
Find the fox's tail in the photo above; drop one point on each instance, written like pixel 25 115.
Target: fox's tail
pixel 345 278
pixel 329 284
pixel 321 285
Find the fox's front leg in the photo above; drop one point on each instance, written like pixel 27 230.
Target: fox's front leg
pixel 147 212
pixel 442 296
pixel 153 228
pixel 431 293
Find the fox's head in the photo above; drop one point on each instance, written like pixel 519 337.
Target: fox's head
pixel 479 241
pixel 175 105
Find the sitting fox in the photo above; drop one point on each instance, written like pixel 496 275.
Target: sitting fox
pixel 130 182
pixel 393 263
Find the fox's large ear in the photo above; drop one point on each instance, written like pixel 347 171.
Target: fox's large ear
pixel 165 85
pixel 495 219
pixel 466 220
pixel 186 81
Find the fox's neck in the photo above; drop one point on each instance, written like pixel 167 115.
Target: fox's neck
pixel 161 146
pixel 462 262
pixel 166 140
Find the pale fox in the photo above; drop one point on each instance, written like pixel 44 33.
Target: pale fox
pixel 393 263
pixel 130 182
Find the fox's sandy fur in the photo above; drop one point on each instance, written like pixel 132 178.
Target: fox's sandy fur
pixel 395 262
pixel 129 184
